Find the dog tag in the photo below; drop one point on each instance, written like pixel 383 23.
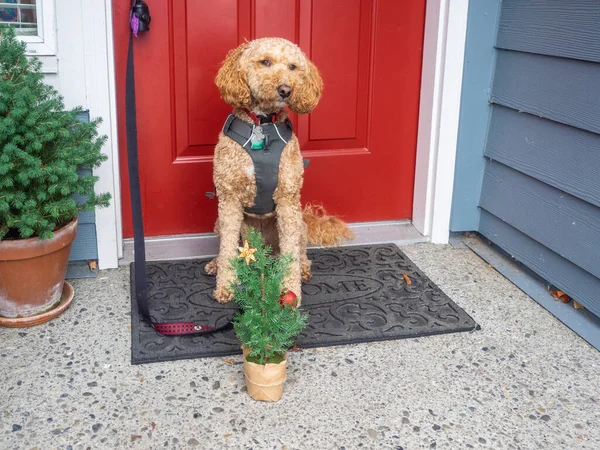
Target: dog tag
pixel 256 143
pixel 258 132
pixel 258 138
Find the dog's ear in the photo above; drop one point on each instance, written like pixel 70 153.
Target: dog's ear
pixel 232 79
pixel 308 93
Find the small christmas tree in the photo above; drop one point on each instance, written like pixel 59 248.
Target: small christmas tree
pixel 267 322
pixel 42 146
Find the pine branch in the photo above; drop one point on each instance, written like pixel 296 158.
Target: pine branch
pixel 41 146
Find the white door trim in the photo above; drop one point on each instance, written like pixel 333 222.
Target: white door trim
pixel 441 84
pixel 114 126
pixel 101 101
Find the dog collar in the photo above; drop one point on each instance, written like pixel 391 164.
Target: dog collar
pixel 259 119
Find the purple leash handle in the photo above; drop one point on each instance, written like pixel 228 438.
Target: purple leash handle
pixel 134 20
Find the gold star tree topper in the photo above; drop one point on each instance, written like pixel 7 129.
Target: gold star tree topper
pixel 247 253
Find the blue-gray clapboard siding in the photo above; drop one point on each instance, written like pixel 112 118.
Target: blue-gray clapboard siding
pixel 543 261
pixel 563 90
pixel 562 28
pixel 540 197
pixel 565 224
pixel 85 247
pixel 543 150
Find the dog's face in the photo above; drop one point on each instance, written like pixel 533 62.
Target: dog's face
pixel 268 74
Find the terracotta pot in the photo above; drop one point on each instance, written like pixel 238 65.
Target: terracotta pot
pixel 32 273
pixel 264 381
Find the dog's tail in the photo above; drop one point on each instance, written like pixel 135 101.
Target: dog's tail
pixel 323 229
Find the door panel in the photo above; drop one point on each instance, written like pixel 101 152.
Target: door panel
pixel 334 38
pixel 361 139
pixel 198 109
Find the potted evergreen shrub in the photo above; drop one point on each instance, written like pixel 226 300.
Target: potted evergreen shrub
pixel 268 321
pixel 42 146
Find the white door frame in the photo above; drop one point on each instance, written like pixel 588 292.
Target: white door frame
pixel 97 36
pixel 441 83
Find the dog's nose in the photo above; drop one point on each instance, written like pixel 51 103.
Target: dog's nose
pixel 284 90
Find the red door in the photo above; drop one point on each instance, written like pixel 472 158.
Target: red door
pixel 361 139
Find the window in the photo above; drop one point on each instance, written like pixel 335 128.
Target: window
pixel 34 23
pixel 20 14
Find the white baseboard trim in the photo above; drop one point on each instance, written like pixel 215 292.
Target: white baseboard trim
pixel 206 245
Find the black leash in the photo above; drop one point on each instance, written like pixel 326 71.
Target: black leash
pixel 140 12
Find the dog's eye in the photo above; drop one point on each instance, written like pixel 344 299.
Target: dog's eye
pixel 292 67
pixel 265 62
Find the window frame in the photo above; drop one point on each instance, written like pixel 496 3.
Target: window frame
pixel 44 44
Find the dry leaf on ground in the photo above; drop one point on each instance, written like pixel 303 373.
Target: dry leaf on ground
pixel 560 295
pixel 231 362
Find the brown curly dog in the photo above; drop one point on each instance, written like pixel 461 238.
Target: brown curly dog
pixel 259 79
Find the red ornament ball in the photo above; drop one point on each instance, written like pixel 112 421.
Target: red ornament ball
pixel 289 298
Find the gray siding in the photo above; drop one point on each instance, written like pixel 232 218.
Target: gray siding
pixel 565 224
pixel 559 155
pixel 85 247
pixel 540 199
pixel 546 263
pixel 558 89
pixel 568 29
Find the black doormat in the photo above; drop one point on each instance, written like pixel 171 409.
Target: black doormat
pixel 357 294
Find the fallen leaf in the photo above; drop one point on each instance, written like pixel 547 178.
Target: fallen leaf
pixel 153 425
pixel 560 295
pixel 227 436
pixel 93 265
pixel 295 348
pixel 407 279
pixel 231 362
pixel 580 438
pixel 142 380
pixel 577 305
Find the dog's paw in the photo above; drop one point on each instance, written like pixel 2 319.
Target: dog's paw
pixel 222 295
pixel 211 267
pixel 305 272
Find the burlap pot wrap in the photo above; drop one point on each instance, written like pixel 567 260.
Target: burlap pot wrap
pixel 265 381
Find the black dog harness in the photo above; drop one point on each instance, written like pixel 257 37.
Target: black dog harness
pixel 264 142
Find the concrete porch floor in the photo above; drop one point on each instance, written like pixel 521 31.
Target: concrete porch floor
pixel 525 381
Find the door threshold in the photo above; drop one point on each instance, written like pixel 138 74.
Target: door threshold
pixel 190 246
